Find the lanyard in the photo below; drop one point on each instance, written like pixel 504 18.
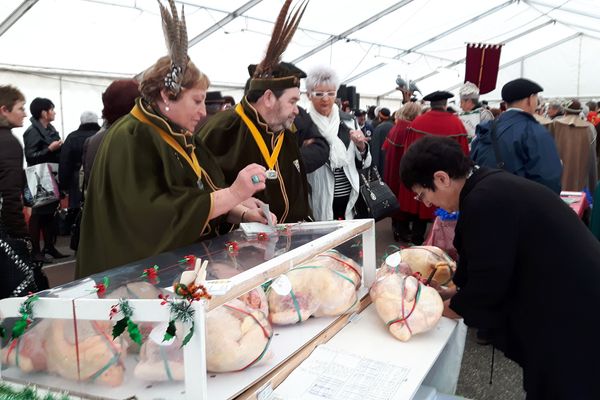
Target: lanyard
pixel 193 161
pixel 270 159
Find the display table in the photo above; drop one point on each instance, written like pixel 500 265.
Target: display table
pixel 238 264
pixel 432 358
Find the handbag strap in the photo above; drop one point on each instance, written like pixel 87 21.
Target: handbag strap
pixel 363 178
pixel 374 169
pixel 499 160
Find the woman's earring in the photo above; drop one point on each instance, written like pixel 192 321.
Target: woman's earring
pixel 167 108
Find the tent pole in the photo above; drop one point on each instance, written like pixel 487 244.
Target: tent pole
pixel 62 115
pixel 533 53
pixel 335 38
pixel 16 15
pixel 462 60
pixel 218 25
pixel 432 39
pixel 579 65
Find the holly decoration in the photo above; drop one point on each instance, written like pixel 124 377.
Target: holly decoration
pixel 101 287
pixel 232 247
pixel 182 310
pixel 26 311
pixel 126 322
pixel 152 274
pixel 262 236
pixel 189 259
pixel 286 229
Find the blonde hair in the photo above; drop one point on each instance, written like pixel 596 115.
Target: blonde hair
pixel 153 80
pixel 410 111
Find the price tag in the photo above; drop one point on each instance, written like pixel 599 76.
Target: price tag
pixel 218 287
pixel 282 285
pixel 393 260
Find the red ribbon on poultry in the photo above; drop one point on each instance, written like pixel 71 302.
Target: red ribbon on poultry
pixel 267 335
pixel 405 316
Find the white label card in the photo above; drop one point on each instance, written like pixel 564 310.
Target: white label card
pixel 218 287
pixel 282 285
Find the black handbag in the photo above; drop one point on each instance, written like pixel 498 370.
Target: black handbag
pixel 376 199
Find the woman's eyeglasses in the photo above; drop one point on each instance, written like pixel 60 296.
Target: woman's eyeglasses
pixel 321 95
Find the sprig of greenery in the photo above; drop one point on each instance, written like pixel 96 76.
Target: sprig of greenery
pixel 126 322
pixel 8 392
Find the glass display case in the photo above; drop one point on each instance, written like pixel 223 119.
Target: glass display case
pixel 68 343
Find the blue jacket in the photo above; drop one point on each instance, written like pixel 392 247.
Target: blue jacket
pixel 526 148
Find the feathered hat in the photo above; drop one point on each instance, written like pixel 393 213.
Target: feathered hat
pixel 177 46
pixel 271 73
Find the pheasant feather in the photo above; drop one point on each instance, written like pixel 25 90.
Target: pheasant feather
pixel 283 31
pixel 176 39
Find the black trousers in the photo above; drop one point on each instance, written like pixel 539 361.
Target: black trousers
pixel 42 222
pixel 339 207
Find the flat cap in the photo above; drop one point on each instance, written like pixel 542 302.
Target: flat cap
pixel 283 76
pixel 214 97
pixel 518 89
pixel 438 95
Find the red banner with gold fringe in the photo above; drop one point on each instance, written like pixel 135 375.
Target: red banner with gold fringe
pixel 482 64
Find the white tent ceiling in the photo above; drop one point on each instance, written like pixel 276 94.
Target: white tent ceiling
pixel 555 42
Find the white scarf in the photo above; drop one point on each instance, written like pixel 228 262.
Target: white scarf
pixel 329 127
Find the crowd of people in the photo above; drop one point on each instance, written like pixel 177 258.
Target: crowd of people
pixel 173 164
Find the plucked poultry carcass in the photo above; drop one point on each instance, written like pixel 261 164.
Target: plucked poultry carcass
pixel 50 345
pixel 405 304
pixel 161 361
pixel 28 351
pixel 431 262
pixel 237 336
pixel 95 357
pixel 327 285
pixel 136 290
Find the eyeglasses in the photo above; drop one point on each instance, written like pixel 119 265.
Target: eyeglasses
pixel 321 95
pixel 419 196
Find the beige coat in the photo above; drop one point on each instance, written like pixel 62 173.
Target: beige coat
pixel 576 143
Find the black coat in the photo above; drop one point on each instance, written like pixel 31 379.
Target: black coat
pixel 316 153
pixel 377 140
pixel 37 139
pixel 71 160
pixel 12 182
pixel 529 269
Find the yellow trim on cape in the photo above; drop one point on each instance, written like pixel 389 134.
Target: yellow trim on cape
pixel 192 161
pixel 270 159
